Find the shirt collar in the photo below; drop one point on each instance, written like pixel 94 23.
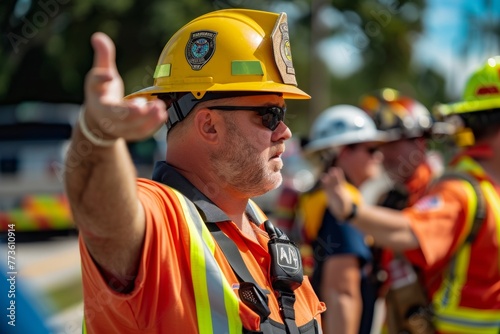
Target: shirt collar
pixel 211 213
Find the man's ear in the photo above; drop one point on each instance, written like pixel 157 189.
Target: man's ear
pixel 205 122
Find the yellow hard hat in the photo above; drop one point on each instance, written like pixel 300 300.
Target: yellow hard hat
pixel 228 50
pixel 482 91
pixel 480 105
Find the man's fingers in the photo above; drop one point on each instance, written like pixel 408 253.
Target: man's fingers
pixel 104 51
pixel 103 81
pixel 133 119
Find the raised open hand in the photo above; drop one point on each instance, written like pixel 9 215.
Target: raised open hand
pixel 108 115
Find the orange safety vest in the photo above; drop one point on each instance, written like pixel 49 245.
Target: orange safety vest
pixel 450 316
pixel 209 282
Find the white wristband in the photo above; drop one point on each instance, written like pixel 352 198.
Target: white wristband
pixel 91 136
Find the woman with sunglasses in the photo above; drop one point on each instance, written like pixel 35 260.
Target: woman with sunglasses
pixel 342 136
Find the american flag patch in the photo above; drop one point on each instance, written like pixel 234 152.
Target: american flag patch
pixel 428 203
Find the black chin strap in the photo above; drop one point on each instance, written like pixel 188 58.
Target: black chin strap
pixel 181 103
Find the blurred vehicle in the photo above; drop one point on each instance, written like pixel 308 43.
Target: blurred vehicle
pixel 33 140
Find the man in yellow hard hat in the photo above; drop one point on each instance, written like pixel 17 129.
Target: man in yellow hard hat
pixel 452 233
pixel 189 251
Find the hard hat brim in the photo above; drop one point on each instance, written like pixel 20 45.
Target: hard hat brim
pixel 288 91
pixel 470 106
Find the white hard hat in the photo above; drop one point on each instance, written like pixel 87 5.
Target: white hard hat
pixel 342 125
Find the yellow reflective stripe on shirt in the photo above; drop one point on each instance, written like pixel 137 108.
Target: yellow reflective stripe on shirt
pixel 448 295
pixel 209 283
pixel 467 321
pixel 490 193
pixel 494 200
pixel 449 316
pixel 214 315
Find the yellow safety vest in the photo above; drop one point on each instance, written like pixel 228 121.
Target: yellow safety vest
pixel 450 317
pixel 312 208
pixel 214 315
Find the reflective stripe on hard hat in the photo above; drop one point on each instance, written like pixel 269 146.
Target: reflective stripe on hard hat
pixel 450 317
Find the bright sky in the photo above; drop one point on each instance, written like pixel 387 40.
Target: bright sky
pixel 453 41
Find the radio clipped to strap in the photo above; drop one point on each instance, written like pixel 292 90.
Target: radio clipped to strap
pixel 286 273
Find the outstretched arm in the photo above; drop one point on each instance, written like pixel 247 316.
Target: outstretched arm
pixel 390 228
pixel 100 181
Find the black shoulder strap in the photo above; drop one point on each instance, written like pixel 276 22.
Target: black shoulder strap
pixel 251 294
pixel 480 211
pixel 231 253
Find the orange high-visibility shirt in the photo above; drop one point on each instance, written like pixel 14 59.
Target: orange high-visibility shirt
pixel 163 298
pixel 439 223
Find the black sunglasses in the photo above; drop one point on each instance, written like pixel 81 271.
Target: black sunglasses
pixel 271 116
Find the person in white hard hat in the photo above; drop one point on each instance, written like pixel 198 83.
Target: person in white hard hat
pixel 346 137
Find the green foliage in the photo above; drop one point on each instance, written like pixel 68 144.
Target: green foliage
pixel 386 30
pixel 381 34
pixel 45 53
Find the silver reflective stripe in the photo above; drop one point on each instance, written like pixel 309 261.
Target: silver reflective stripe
pixel 223 305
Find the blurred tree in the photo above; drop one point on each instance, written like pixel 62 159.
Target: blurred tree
pixel 366 45
pixel 45 50
pixel 372 37
pixel 46 53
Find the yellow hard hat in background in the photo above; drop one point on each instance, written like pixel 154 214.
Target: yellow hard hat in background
pixel 482 91
pixel 480 105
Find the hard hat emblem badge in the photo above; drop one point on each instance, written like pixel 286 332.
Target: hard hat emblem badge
pixel 282 50
pixel 200 48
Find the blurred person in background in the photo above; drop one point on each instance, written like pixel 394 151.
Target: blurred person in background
pixel 409 168
pixel 453 232
pixel 342 136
